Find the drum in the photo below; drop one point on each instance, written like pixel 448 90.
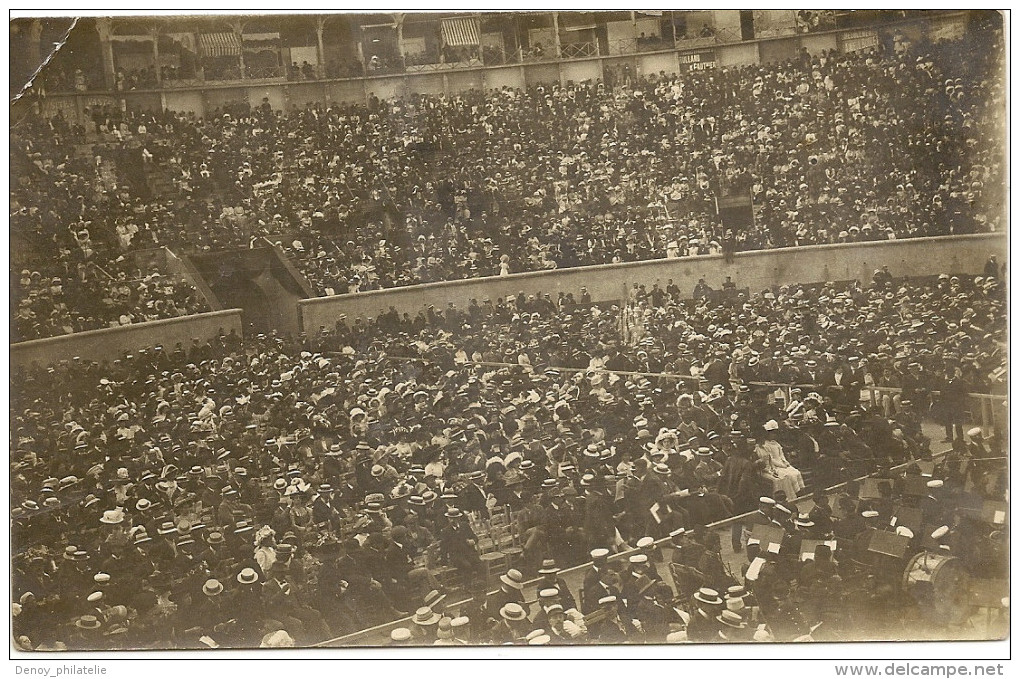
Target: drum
pixel 940 586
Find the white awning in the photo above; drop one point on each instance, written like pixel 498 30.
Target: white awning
pixel 460 32
pixel 219 44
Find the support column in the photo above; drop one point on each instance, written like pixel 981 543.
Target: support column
pixel 361 51
pixel 238 28
pixel 320 51
pixel 398 21
pixel 35 57
pixel 104 26
pixel 556 34
pixel 155 56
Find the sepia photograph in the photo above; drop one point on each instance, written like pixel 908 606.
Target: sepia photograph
pixel 353 330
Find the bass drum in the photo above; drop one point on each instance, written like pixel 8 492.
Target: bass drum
pixel 939 585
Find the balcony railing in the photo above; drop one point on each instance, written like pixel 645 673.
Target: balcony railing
pixel 579 50
pixel 536 55
pixel 702 41
pixel 265 72
pixel 428 64
pixel 499 56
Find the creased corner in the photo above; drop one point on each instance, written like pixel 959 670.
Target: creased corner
pixel 49 57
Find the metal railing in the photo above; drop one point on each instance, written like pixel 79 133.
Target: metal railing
pixel 532 56
pixel 265 72
pixel 655 43
pixel 499 56
pixel 697 41
pixel 579 50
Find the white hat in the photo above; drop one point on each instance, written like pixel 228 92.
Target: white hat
pixel 277 639
pixel 639 558
pixel 935 483
pixel 599 553
pixel 940 532
pixel 771 425
pixel 975 431
pixel 400 634
pixel 904 531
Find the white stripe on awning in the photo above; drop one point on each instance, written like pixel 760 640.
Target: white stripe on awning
pixel 460 32
pixel 219 44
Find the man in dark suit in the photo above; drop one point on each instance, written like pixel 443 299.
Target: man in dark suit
pixel 458 545
pixel 472 497
pixel 594 586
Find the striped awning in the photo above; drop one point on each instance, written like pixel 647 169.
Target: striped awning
pixel 219 44
pixel 460 32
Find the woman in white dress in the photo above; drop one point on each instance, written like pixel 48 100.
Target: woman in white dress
pixel 783 475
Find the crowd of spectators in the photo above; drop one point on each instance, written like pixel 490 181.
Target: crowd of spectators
pixel 87 299
pixel 833 148
pixel 285 490
pixel 76 226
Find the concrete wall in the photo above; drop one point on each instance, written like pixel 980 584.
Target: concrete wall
pixel 111 343
pixel 578 71
pixel 819 42
pixel 771 51
pixel 509 76
pixel 650 64
pixel 464 80
pixel 756 270
pixel 739 54
pixel 581 71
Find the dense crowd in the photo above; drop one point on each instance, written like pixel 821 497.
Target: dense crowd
pixel 76 231
pixel 280 490
pixel 832 148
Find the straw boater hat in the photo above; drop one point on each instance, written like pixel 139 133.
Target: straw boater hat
pixel 113 516
pixel 434 599
pixel 732 619
pixel 425 616
pixel 707 596
pixel 513 612
pixel 248 576
pixel 548 567
pixel 88 622
pixel 445 629
pixel 513 578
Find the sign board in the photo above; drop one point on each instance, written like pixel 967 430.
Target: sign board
pixel 698 60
